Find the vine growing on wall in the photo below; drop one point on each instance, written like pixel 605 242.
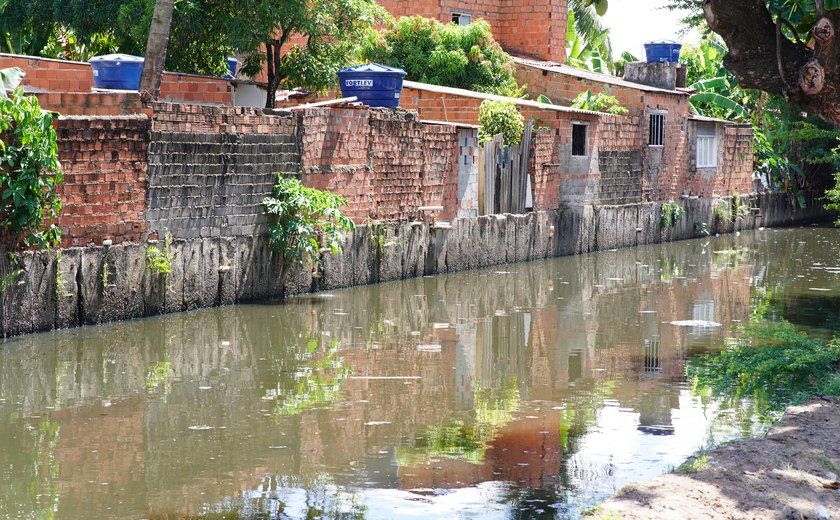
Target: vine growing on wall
pixel 670 214
pixel 29 169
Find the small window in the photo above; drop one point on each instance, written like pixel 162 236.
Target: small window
pixel 707 146
pixel 578 140
pixel 657 129
pixel 461 19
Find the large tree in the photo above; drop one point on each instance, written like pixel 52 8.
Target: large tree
pixel 785 47
pixel 300 42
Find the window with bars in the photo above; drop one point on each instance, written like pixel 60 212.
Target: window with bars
pixel 461 18
pixel 578 140
pixel 707 146
pixel 657 129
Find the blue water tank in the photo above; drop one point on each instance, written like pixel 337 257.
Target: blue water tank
pixel 117 71
pixel 663 51
pixel 373 84
pixel 233 64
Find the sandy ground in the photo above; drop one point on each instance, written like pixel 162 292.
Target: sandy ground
pixel 785 475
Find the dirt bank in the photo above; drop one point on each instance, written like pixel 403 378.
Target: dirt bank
pixel 786 474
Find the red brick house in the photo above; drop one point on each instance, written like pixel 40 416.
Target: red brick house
pixel 531 28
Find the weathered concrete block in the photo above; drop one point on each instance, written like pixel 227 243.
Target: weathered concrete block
pixel 67 302
pixel 243 268
pixel 227 274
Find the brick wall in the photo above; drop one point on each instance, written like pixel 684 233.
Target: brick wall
pixel 563 87
pixel 545 168
pixel 210 167
pixel 734 169
pixel 620 159
pixel 59 76
pixel 384 162
pixel 104 189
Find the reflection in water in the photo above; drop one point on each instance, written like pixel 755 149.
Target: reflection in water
pixel 525 393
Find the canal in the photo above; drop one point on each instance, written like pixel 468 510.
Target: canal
pixel 523 391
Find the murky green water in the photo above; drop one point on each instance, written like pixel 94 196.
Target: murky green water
pixel 526 391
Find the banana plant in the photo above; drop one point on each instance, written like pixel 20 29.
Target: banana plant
pixel 717 93
pixel 587 41
pixel 10 79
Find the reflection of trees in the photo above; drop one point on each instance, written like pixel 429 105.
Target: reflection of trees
pixel 31 457
pixel 315 382
pixel 466 440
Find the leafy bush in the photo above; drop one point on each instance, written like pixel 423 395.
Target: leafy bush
pixel 500 117
pixel 29 170
pixel 300 217
pixel 670 214
pixel 833 196
pixel 445 54
pixel 731 210
pixel 600 102
pixel 159 259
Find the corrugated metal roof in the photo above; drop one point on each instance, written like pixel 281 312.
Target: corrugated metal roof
pixel 480 95
pixel 592 76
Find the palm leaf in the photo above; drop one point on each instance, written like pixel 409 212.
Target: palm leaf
pixel 720 101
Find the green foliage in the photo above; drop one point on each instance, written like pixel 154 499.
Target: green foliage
pixel 318 381
pixel 670 213
pixel 160 373
pixel 29 172
pixel 300 217
pixel 833 196
pixel 330 32
pixel 10 79
pixel 694 464
pixel 159 259
pixel 773 364
pixel 701 228
pixel 793 151
pixel 731 210
pixel 445 54
pixel 60 285
pixel 587 40
pixel 600 102
pixel 500 117
pixel 378 236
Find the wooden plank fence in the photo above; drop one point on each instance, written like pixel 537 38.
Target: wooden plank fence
pixel 507 185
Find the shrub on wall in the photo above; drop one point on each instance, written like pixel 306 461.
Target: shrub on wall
pixel 300 218
pixel 500 117
pixel 29 172
pixel 445 54
pixel 600 102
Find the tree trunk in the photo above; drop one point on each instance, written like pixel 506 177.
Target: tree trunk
pixel 272 49
pixel 762 58
pixel 156 48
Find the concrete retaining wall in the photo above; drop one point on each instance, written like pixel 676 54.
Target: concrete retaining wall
pixel 77 286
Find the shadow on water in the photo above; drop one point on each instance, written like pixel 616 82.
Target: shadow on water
pixel 522 391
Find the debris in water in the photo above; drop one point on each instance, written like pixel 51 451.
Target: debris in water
pixel 200 427
pixel 377 423
pixel 429 348
pixel 695 323
pixel 822 289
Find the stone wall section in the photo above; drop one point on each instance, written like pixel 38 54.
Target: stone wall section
pixel 104 190
pixel 222 271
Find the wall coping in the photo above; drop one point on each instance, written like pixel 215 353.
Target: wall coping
pixel 480 95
